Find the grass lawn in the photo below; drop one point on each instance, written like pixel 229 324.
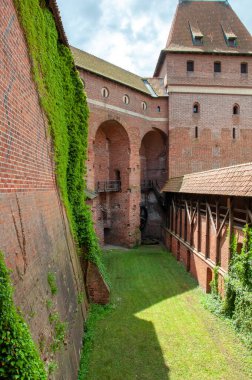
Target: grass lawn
pixel 157 328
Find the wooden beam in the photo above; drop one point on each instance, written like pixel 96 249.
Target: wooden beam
pixel 249 214
pixel 211 217
pixel 222 224
pixel 188 212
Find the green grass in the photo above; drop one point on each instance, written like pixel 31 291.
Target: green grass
pixel 157 327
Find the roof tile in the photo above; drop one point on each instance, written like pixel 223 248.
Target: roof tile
pixel 232 181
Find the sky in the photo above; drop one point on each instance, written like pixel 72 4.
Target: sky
pixel 128 33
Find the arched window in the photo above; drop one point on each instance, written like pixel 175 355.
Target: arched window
pixel 158 109
pixel 196 108
pixel 144 106
pixel 105 92
pixel 236 109
pixel 125 99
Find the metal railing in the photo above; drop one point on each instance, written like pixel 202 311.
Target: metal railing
pixel 108 186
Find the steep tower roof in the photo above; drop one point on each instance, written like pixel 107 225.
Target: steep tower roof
pixel 207 27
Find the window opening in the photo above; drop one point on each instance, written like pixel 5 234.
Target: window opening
pixel 217 67
pixel 105 92
pixel 196 108
pixel 125 99
pixel 236 109
pixel 158 108
pixel 234 133
pixel 144 106
pixel 197 36
pixel 196 132
pixel 190 66
pixel 117 175
pixel 244 68
pixel 232 42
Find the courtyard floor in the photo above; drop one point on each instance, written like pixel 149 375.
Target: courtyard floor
pixel 157 328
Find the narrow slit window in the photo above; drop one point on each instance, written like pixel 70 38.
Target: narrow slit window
pixel 244 68
pixel 190 66
pixel 234 133
pixel 196 132
pixel 217 67
pixel 158 108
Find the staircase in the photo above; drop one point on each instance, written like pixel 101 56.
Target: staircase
pixel 152 185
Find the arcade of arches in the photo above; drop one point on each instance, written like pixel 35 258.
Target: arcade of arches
pixel 120 176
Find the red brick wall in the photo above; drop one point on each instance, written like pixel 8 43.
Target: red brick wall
pixel 34 233
pixel 198 266
pixel 126 156
pixel 215 146
pixel 176 68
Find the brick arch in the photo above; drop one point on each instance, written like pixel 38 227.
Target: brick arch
pixel 111 150
pixel 153 153
pixel 111 162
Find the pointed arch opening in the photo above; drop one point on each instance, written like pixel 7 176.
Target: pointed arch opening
pixel 111 163
pixel 236 109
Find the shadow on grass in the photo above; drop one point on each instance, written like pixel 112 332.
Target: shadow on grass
pixel 126 347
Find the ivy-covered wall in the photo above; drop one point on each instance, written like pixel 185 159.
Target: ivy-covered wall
pixel 64 102
pixel 19 357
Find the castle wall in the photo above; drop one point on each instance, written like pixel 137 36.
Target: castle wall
pixel 175 66
pixel 215 145
pixel 222 138
pixel 34 232
pixel 123 207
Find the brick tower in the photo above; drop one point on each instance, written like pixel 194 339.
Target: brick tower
pixel 206 66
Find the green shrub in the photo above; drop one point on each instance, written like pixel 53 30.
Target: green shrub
pixel 19 358
pixel 60 329
pixel 51 279
pixel 237 303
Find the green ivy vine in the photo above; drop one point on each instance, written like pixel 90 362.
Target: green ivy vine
pixel 64 102
pixel 237 302
pixel 19 357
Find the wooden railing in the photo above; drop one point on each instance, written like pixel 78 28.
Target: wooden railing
pixel 108 186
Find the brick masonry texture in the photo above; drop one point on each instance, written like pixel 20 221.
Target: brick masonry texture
pixel 34 232
pixel 115 140
pixel 189 142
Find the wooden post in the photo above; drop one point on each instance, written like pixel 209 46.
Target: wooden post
pixel 185 224
pixel 231 226
pixel 217 255
pixel 199 227
pixel 207 233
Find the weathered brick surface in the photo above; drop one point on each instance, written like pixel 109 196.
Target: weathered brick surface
pixel 34 233
pixel 115 138
pixel 215 146
pixel 98 290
